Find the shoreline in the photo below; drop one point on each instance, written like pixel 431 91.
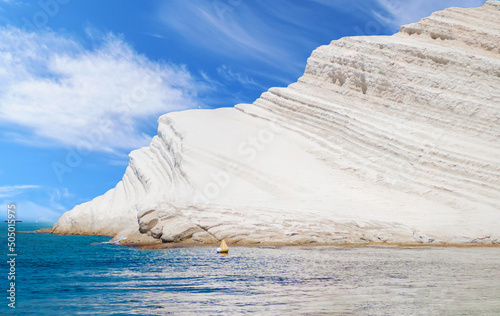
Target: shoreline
pixel 161 245
pixel 342 245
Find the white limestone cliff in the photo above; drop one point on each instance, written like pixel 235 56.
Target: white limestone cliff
pixel 384 138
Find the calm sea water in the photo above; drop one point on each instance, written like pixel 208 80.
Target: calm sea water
pixel 67 275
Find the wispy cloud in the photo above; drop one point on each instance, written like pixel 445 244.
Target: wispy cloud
pixel 74 96
pixel 31 211
pixel 57 194
pixel 260 31
pixel 228 74
pixel 58 197
pixel 11 191
pixel 215 26
pixel 35 202
pixel 156 35
pixel 12 2
pixel 405 12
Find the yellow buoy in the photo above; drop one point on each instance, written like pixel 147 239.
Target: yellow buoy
pixel 223 247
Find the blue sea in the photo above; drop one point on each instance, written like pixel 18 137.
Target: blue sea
pixel 85 275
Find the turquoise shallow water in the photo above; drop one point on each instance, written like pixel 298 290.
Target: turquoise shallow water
pixel 67 275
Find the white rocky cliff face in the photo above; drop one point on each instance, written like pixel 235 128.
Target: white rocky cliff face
pixel 385 138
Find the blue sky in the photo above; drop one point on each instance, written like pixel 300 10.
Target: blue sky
pixel 82 83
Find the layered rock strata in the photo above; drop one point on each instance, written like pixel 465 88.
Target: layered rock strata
pixel 383 139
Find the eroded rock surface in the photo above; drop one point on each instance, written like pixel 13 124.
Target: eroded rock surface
pixel 385 138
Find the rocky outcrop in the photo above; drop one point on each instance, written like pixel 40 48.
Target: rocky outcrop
pixel 386 138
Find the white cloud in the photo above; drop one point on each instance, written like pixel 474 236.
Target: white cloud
pixel 238 30
pixel 9 191
pixel 212 24
pixel 228 74
pixel 11 2
pixel 57 194
pixel 43 203
pixel 156 35
pixel 95 98
pixel 28 211
pixel 405 12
